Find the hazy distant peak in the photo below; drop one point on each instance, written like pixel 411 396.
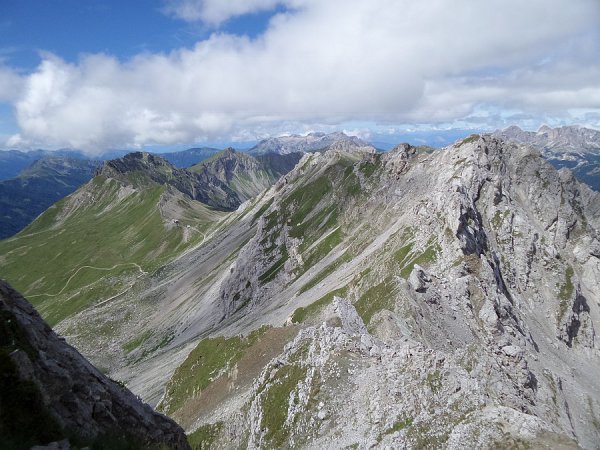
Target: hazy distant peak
pixel 311 142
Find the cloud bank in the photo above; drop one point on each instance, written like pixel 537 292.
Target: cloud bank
pixel 320 62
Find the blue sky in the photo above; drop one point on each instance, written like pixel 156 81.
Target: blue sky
pixel 96 75
pixel 69 28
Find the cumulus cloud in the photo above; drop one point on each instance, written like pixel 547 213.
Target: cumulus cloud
pixel 321 62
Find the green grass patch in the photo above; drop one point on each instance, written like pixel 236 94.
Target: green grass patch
pixel 424 259
pixel 401 254
pixel 375 299
pixel 472 138
pixel 498 218
pixel 566 292
pixel 351 184
pixel 271 272
pixel 262 210
pixel 204 438
pixel 399 425
pixel 307 197
pixel 303 314
pixel 203 365
pixel 276 401
pixel 326 272
pixel 137 341
pixel 368 168
pixel 434 381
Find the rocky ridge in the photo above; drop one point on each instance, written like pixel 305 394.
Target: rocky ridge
pixel 135 168
pixel 475 271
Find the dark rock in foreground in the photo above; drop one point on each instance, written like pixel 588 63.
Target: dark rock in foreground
pixel 49 392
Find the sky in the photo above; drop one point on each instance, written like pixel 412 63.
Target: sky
pixel 107 74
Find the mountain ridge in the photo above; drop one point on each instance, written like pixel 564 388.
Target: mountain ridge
pixel 462 278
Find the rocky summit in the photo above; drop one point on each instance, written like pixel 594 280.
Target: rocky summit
pixel 417 298
pixel 50 393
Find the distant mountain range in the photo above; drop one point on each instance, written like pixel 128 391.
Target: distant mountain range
pixel 32 191
pixel 574 147
pixel 12 162
pixel 38 186
pixel 311 142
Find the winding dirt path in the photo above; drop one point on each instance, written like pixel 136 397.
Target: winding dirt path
pixel 88 267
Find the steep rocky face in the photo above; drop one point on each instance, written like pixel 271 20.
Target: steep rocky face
pixel 445 299
pixel 49 392
pixel 574 147
pixel 247 175
pixel 312 142
pixel 142 168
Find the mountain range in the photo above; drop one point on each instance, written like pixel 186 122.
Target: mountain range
pixel 50 178
pixel 37 187
pixel 417 298
pixel 312 142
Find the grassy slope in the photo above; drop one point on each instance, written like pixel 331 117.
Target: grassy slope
pixel 46 260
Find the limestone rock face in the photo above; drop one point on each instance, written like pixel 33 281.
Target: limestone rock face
pixel 80 400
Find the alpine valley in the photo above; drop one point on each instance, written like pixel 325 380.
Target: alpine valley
pixel 317 293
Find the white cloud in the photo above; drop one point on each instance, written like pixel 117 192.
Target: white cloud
pixel 322 63
pixel 215 12
pixel 10 84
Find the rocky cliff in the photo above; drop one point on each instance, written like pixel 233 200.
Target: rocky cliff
pixel 49 392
